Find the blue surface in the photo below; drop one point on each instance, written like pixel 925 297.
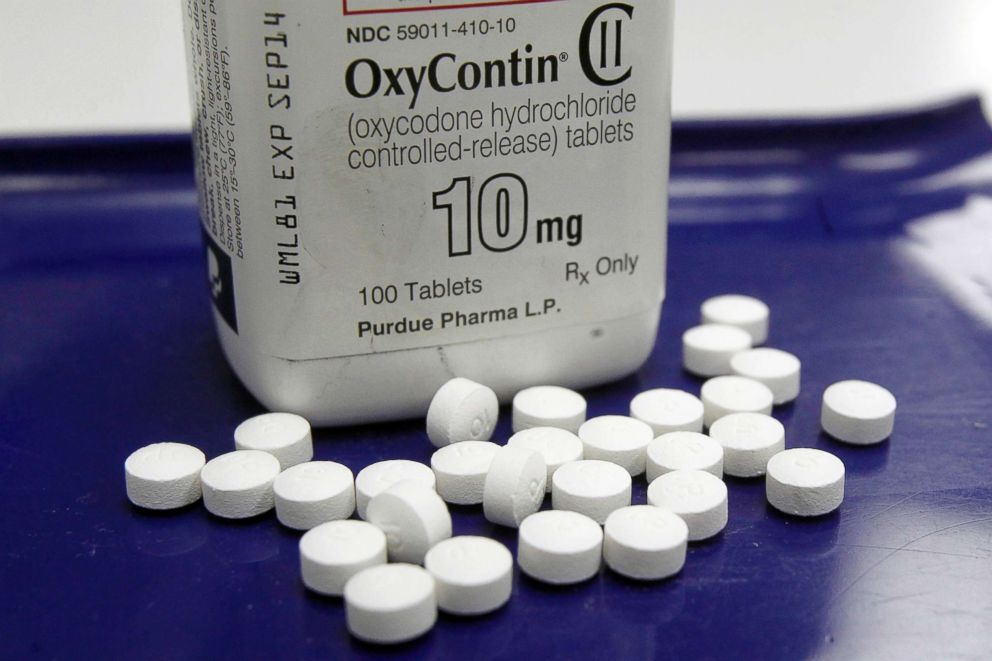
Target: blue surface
pixel 106 344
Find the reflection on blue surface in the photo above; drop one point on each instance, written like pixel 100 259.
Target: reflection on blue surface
pixel 953 247
pixel 106 344
pixel 901 159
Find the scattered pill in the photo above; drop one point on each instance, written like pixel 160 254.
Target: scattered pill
pixel 698 497
pixel 744 312
pixel 557 446
pixel 645 542
pixel 858 412
pixel 724 395
pixel 777 369
pixel 515 485
pixel 376 478
pixel 805 482
pixel 591 487
pixel 312 493
pixel 749 440
pixel 473 575
pixel 462 410
pixel 667 410
pixel 586 465
pixel 548 406
pixel 238 485
pixel 391 603
pixel 285 436
pixel 707 349
pixel 460 470
pixel 560 547
pixel 413 517
pixel 619 439
pixel 163 476
pixel 680 450
pixel 333 552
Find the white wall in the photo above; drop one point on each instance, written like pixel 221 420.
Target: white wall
pixel 759 57
pixel 74 66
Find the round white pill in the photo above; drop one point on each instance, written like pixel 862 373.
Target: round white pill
pixel 707 349
pixel 285 436
pixel 777 369
pixel 515 485
pixel 390 603
pixel 744 312
pixel 376 478
pixel 591 487
pixel 462 410
pixel 460 470
pixel 616 438
pixel 473 575
pixel 698 497
pixel 645 542
pixel 724 395
pixel 557 446
pixel 312 493
pixel 684 450
pixel 413 517
pixel 333 552
pixel 858 412
pixel 749 440
pixel 548 406
pixel 560 547
pixel 163 476
pixel 667 410
pixel 805 482
pixel 238 485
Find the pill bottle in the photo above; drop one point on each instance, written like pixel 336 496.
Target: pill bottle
pixel 395 192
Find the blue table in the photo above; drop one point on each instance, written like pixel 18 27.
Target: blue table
pixel 106 344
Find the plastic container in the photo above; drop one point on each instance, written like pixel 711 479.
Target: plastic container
pixel 396 192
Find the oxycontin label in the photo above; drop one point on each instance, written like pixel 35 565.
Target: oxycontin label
pixel 394 174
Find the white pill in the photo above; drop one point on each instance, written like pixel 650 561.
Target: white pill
pixel 460 470
pixel 238 485
pixel 744 312
pixel 858 412
pixel 667 410
pixel 724 395
pixel 515 485
pixel 391 603
pixel 473 575
pixel 462 410
pixel 684 450
pixel 283 435
pixel 707 349
pixel 616 438
pixel 548 406
pixel 749 440
pixel 591 487
pixel 163 476
pixel 557 446
pixel 413 517
pixel 312 493
pixel 376 478
pixel 645 542
pixel 560 547
pixel 333 552
pixel 805 482
pixel 777 369
pixel 698 497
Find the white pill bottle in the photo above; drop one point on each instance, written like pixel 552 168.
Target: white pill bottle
pixel 395 192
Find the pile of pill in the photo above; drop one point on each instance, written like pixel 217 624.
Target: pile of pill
pixel 398 563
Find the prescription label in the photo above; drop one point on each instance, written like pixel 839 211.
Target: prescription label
pixel 389 174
